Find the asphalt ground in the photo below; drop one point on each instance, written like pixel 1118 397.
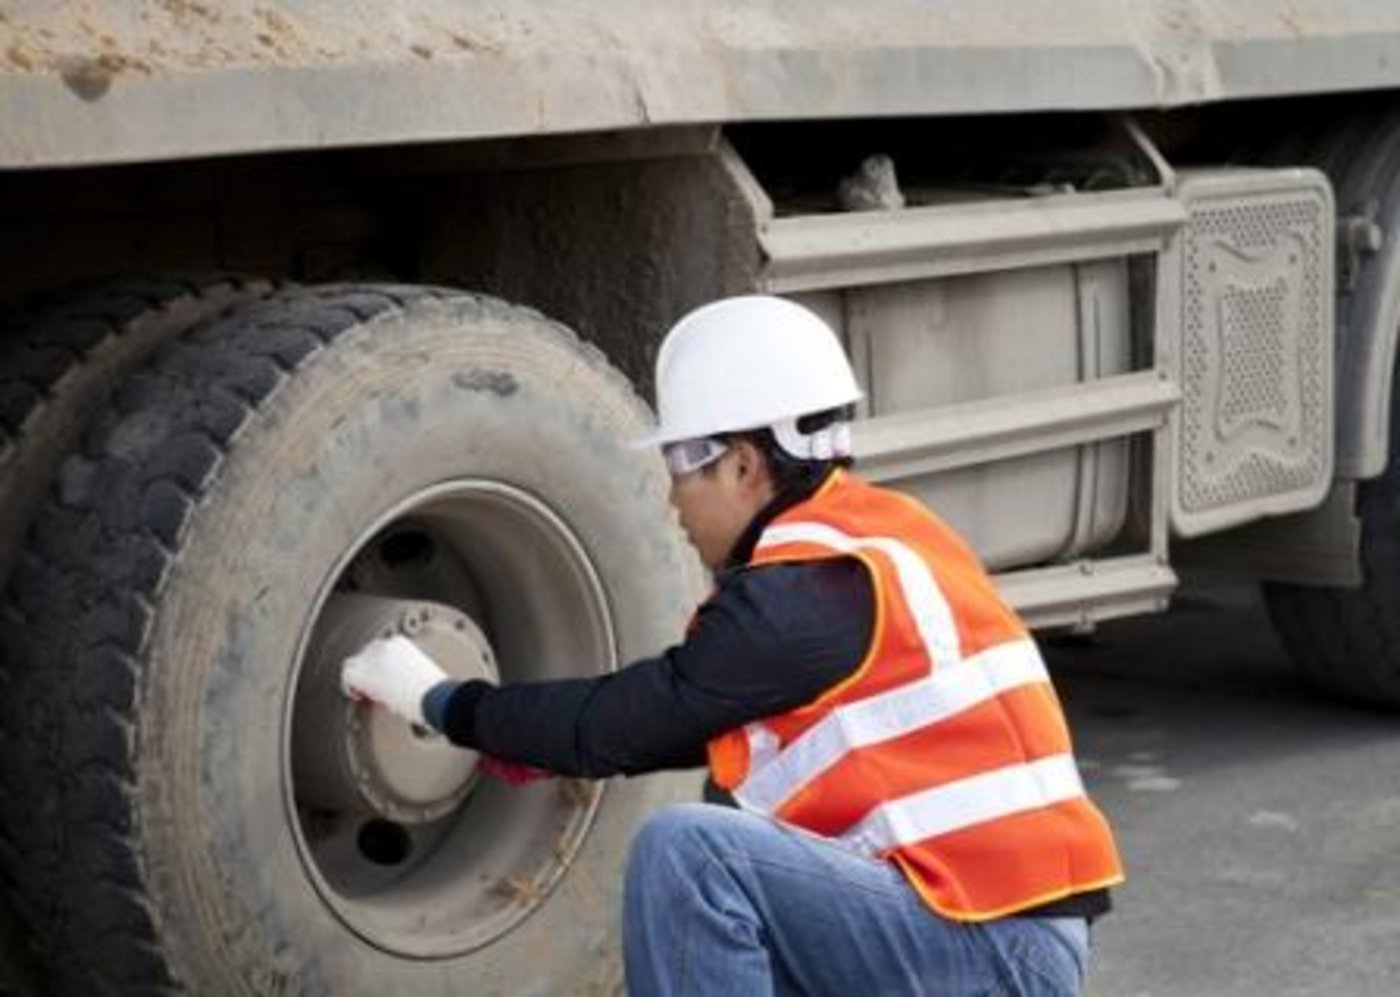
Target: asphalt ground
pixel 1259 822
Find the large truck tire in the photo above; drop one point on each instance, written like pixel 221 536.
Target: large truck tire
pixel 60 358
pixel 1347 640
pixel 283 483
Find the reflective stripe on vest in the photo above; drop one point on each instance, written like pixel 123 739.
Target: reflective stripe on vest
pixel 946 751
pixel 964 803
pixel 773 777
pixel 932 614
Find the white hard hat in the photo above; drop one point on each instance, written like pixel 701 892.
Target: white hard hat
pixel 748 363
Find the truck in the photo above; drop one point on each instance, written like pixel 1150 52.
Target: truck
pixel 326 320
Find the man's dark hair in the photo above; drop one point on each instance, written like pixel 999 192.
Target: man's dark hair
pixel 789 472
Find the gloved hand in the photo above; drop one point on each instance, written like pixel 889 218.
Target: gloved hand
pixel 393 672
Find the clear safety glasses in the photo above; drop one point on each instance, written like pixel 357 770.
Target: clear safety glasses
pixel 688 456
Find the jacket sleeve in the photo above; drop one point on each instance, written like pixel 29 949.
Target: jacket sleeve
pixel 770 639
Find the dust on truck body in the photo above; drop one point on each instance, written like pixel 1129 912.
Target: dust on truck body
pixel 1120 281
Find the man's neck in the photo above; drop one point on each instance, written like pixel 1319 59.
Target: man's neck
pixel 780 503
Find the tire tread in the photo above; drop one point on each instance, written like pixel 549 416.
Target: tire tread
pixel 89 584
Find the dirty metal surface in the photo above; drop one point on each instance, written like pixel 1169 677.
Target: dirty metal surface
pixel 93 81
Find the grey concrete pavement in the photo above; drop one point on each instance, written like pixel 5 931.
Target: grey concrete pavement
pixel 1260 823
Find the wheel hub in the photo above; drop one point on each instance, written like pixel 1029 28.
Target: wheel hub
pixel 403 841
pixel 356 757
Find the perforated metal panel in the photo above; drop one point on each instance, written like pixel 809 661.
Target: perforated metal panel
pixel 1252 346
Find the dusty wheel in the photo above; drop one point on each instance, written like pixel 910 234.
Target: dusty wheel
pixel 309 470
pixel 1347 641
pixel 59 360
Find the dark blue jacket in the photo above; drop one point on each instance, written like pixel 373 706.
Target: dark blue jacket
pixel 768 639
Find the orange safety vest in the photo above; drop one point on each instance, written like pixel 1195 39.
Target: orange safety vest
pixel 946 751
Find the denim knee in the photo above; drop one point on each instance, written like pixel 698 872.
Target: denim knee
pixel 683 836
pixel 678 830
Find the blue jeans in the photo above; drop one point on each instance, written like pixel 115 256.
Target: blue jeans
pixel 723 902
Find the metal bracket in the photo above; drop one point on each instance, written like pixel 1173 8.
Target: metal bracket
pixel 1358 237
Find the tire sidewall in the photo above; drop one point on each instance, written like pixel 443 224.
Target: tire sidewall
pixel 442 391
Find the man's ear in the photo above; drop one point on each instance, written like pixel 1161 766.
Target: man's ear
pixel 749 464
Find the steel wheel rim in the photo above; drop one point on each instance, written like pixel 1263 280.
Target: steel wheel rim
pixel 463 880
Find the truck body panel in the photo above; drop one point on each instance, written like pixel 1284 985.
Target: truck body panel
pixel 105 82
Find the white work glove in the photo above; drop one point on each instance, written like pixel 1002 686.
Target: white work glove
pixel 393 672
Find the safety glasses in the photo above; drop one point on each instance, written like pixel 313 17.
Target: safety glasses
pixel 688 456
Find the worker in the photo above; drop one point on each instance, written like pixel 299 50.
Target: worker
pixel 910 818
